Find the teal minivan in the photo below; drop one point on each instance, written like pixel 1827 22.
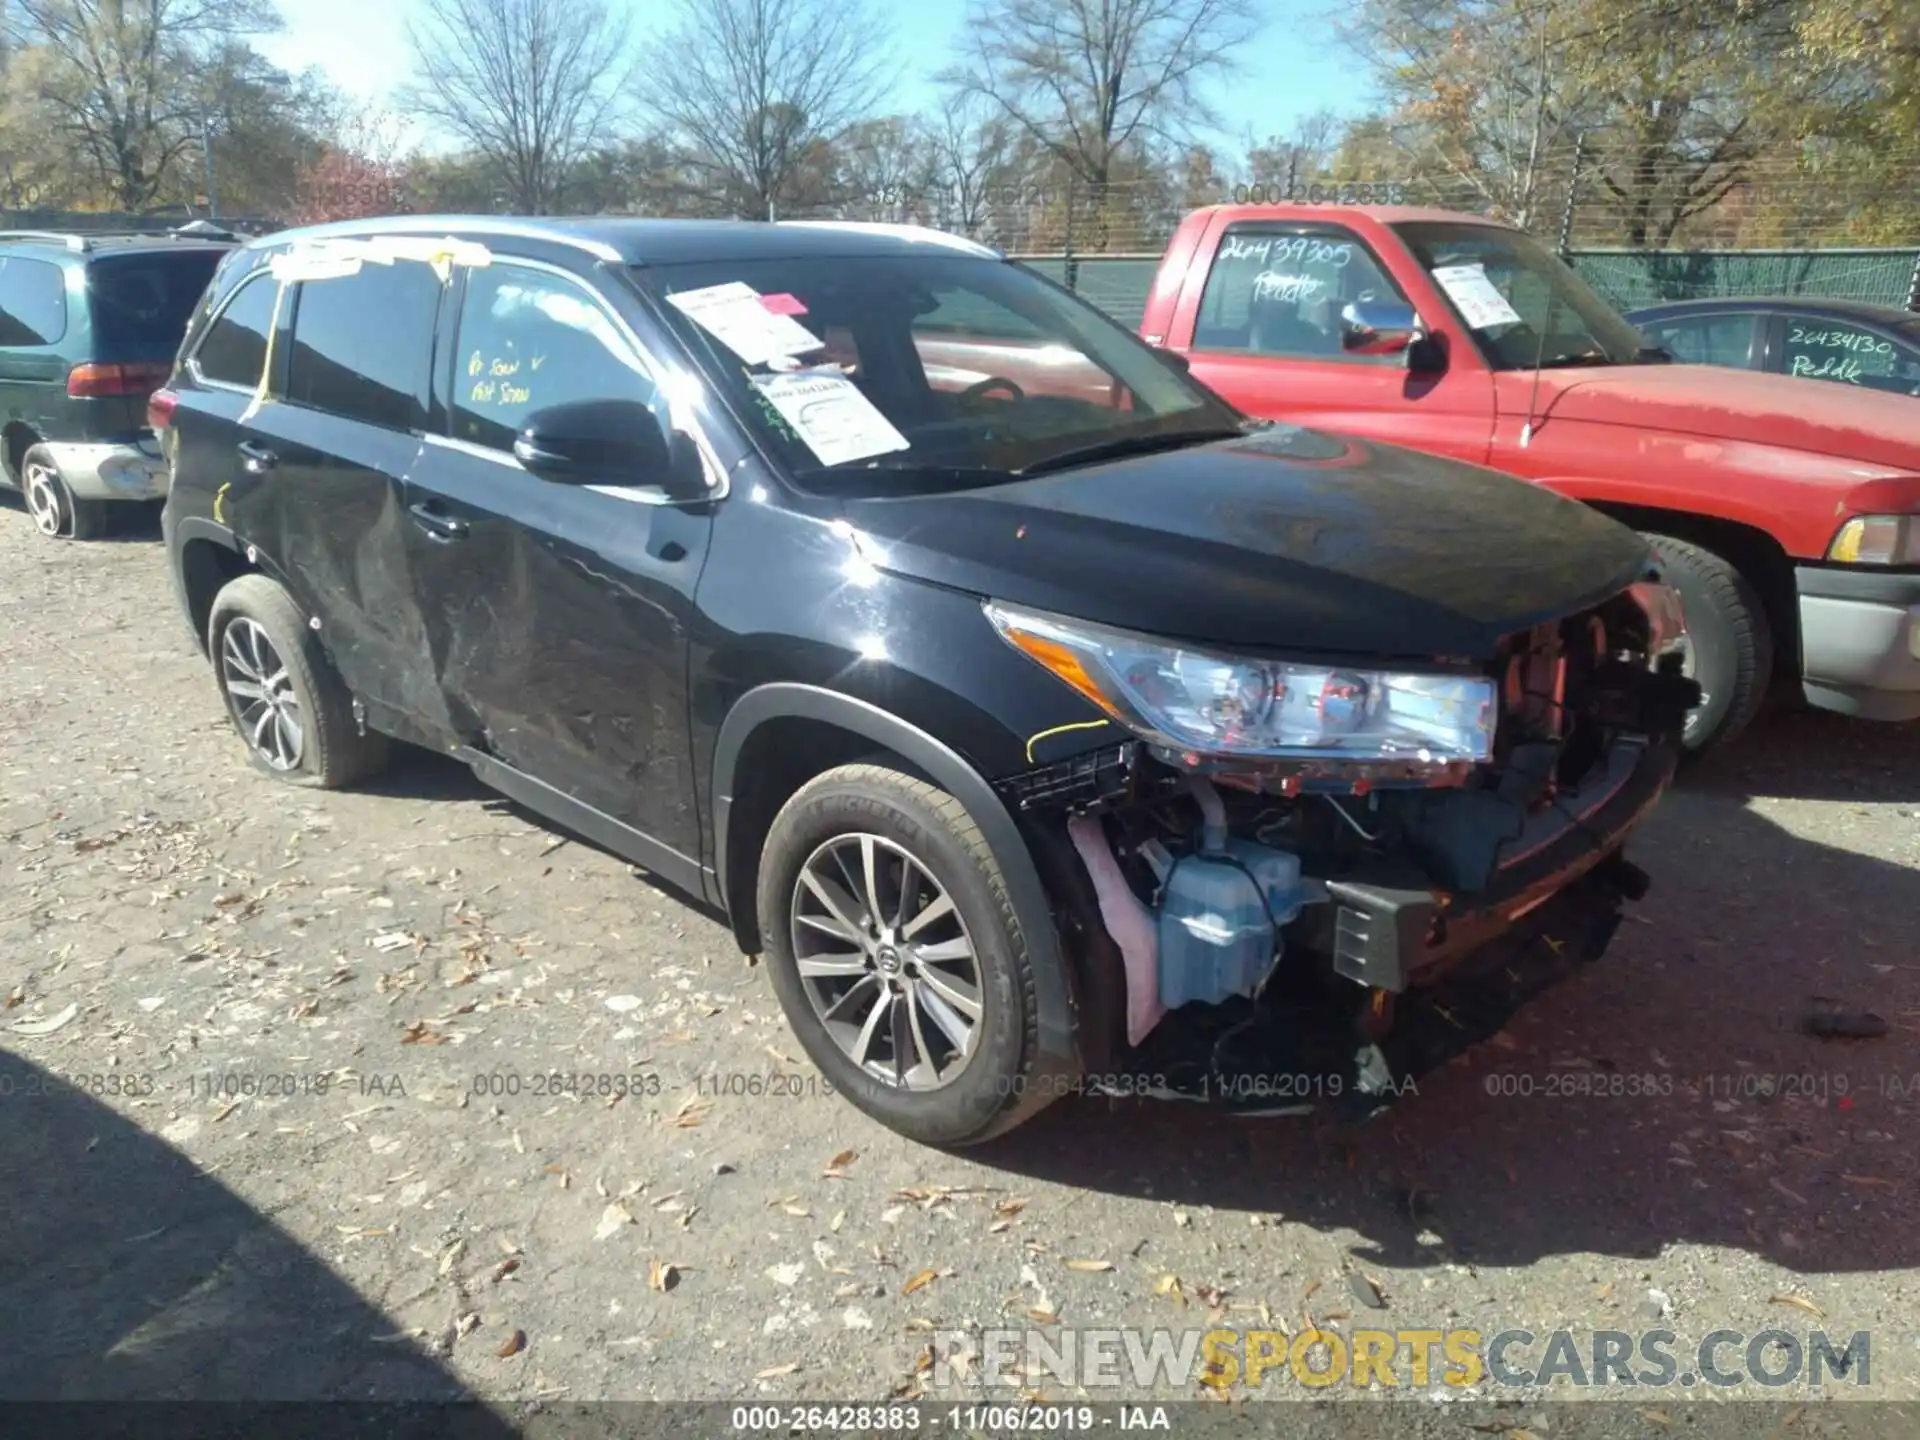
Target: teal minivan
pixel 89 324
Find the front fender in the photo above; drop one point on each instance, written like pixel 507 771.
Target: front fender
pixel 944 767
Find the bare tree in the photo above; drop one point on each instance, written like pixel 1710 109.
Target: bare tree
pixel 125 81
pixel 529 86
pixel 753 88
pixel 1091 79
pixel 973 151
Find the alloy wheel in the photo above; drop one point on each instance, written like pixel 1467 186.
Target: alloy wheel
pixel 886 962
pixel 262 695
pixel 42 491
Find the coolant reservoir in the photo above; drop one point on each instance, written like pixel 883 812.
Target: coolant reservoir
pixel 1217 936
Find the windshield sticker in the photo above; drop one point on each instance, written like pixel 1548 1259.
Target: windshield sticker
pixel 782 304
pixel 734 315
pixel 1480 303
pixel 834 419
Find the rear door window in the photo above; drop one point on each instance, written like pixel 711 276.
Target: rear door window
pixel 141 303
pixel 33 301
pixel 1280 290
pixel 234 349
pixel 1821 349
pixel 1705 339
pixel 362 343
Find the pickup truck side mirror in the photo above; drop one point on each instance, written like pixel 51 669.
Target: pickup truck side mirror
pixel 1173 360
pixel 1378 327
pixel 608 442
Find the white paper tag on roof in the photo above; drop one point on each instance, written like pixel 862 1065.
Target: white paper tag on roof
pixel 1480 303
pixel 833 418
pixel 733 315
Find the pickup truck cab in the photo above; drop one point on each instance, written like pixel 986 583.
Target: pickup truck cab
pixel 1789 515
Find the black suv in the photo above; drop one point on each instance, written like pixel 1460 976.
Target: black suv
pixel 1045 724
pixel 89 325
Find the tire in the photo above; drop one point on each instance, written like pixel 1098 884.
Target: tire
pixel 56 512
pixel 1732 642
pixel 270 640
pixel 929 1087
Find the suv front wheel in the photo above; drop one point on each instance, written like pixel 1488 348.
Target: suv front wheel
pixel 895 953
pixel 282 692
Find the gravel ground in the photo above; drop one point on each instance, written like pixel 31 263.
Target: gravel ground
pixel 271 1174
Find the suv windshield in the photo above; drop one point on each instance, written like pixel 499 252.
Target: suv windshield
pixel 907 372
pixel 1519 300
pixel 141 303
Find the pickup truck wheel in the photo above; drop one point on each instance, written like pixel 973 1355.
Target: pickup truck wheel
pixel 1731 644
pixel 895 953
pixel 282 692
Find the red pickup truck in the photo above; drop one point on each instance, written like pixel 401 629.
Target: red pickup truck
pixel 1788 514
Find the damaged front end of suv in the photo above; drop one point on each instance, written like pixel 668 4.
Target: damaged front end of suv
pixel 1313 882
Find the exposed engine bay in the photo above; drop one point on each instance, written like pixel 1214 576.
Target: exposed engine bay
pixel 1291 933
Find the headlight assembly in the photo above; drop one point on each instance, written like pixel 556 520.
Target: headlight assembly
pixel 1190 699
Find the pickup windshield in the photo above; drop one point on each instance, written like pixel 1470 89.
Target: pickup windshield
pixel 1519 300
pixel 897 373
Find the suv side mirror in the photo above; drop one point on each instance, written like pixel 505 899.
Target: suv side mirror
pixel 1378 327
pixel 608 442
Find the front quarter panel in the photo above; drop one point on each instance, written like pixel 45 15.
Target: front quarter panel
pixel 801 598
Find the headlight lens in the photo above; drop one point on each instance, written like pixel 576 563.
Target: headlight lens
pixel 1188 699
pixel 1877 540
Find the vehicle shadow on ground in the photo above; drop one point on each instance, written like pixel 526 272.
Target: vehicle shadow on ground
pixel 419 774
pixel 1747 929
pixel 130 1274
pixel 1796 753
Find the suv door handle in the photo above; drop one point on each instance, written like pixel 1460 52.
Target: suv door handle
pixel 257 458
pixel 429 518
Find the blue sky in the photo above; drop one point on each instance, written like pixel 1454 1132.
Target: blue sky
pixel 1292 69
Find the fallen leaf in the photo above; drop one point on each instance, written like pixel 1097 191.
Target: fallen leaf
pixel 1044 1317
pixel 1182 1219
pixel 47 1024
pixel 773 1371
pixel 1367 1290
pixel 621 1004
pixel 1090 1265
pixel 1007 1209
pixel 611 1219
pixel 799 1212
pixel 418 1034
pixel 505 1268
pixel 1210 1295
pixel 999 1227
pixel 1313 1288
pixel 662 1276
pixel 1798 1302
pixel 451 1255
pixel 841 1161
pixel 1169 1286
pixel 467 1323
pixel 839 1219
pixel 516 1342
pixel 1658 1417
pixel 1605 1292
pixel 691 1112
pixel 1870 1180
pixel 919 1280
pixel 779 1201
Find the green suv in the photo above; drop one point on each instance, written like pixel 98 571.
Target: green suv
pixel 89 324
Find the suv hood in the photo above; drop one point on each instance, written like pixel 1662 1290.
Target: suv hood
pixel 1287 540
pixel 1711 400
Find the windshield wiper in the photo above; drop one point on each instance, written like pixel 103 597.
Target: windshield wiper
pixel 1124 446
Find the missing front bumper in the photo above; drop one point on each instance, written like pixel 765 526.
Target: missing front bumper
pixel 1352 1060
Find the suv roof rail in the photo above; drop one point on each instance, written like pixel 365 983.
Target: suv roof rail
pixel 71 239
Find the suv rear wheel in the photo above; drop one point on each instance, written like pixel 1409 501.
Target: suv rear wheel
pixel 895 953
pixel 282 692
pixel 56 512
pixel 1731 651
